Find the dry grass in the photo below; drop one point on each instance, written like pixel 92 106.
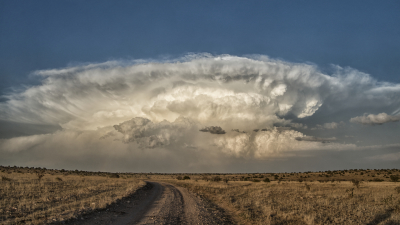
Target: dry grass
pixel 293 202
pixel 330 197
pixel 35 199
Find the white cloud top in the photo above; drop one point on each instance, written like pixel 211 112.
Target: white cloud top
pixel 220 90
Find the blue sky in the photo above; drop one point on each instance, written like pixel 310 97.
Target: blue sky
pixel 323 76
pixel 39 35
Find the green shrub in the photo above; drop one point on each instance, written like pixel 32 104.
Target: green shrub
pixel 186 178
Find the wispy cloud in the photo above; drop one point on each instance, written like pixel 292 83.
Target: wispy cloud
pixel 328 126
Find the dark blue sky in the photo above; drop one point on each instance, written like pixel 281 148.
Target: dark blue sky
pixel 38 35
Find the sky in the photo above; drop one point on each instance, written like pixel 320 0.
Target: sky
pixel 206 86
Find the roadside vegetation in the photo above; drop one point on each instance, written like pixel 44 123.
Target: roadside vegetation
pixel 40 196
pixel 330 197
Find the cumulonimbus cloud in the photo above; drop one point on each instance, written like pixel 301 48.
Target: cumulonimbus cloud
pixel 148 134
pixel 372 119
pixel 233 92
pixel 145 106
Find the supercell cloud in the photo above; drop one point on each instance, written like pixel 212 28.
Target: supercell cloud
pixel 147 107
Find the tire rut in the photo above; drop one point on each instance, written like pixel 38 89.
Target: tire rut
pixel 156 203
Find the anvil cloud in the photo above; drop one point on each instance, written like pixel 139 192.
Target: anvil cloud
pixel 152 106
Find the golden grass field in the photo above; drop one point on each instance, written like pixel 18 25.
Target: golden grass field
pixel 331 197
pixel 334 199
pixel 58 196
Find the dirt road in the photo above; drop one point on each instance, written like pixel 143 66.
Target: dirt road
pixel 158 203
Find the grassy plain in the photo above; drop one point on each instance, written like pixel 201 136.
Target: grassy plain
pixel 40 196
pixel 339 197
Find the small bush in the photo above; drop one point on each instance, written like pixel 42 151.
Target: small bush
pixel 266 180
pixel 256 180
pixel 58 179
pixel 179 178
pixel 205 178
pixel 114 175
pixel 216 179
pixel 394 178
pixel 351 192
pixel 39 176
pixel 397 189
pixel 356 183
pixel 388 200
pixel 3 178
pixel 377 180
pixel 186 178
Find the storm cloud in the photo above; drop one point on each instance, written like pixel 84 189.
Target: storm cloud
pixel 226 90
pixel 158 107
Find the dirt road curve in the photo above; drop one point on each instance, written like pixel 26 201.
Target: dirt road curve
pixel 158 203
